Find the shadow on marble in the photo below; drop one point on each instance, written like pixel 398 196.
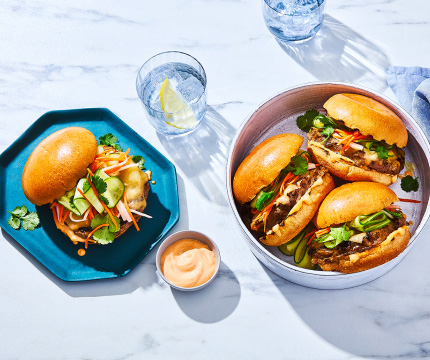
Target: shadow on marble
pixel 202 153
pixel 142 276
pixel 213 303
pixel 338 53
pixel 381 319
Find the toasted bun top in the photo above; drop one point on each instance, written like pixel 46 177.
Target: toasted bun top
pixel 263 165
pixel 369 116
pixel 57 163
pixel 348 201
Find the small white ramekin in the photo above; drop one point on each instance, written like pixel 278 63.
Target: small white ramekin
pixel 188 234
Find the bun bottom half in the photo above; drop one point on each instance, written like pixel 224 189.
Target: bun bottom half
pixel 373 257
pixel 344 170
pixel 295 223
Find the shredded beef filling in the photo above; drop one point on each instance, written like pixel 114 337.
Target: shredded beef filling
pixel 358 156
pixel 280 211
pixel 321 255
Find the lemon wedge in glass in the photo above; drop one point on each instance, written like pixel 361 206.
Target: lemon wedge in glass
pixel 174 107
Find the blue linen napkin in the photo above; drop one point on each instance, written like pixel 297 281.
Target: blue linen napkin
pixel 412 87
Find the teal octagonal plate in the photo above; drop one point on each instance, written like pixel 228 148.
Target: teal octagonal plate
pixel 48 244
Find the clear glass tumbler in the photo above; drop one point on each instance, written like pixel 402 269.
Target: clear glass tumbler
pixel 172 88
pixel 293 20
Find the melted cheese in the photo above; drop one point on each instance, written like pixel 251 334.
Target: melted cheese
pixel 276 230
pixel 306 198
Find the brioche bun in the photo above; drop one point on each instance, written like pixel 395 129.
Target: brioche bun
pixel 369 116
pixel 346 169
pixel 57 163
pixel 296 222
pixel 350 200
pixel 373 257
pixel 263 165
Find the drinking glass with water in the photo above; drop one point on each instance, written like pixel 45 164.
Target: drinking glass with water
pixel 293 20
pixel 172 88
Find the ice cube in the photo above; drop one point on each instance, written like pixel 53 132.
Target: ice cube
pixel 159 74
pixel 190 89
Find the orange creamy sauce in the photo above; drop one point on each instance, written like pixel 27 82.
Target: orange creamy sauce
pixel 188 263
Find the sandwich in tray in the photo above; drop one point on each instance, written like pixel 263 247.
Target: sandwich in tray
pixel 359 139
pixel 96 192
pixel 280 189
pixel 358 228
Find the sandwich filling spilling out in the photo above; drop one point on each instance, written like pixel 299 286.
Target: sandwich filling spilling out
pixel 285 195
pixel 104 204
pixel 337 242
pixel 362 150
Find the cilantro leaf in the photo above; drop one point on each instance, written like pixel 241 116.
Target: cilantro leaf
pixel 298 165
pixel 304 122
pixel 108 139
pixel 139 160
pixel 19 211
pixel 104 236
pixel 409 184
pixel 340 233
pixel 99 184
pixel 14 222
pixel 328 131
pixel 30 221
pixel 86 187
pixel 103 199
pixel 263 197
pixel 382 152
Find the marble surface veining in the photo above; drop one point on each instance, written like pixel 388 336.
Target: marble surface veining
pixel 62 55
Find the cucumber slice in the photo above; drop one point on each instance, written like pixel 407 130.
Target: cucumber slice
pixel 100 149
pixel 79 201
pixel 66 201
pixel 100 173
pixel 289 248
pixel 301 250
pixel 306 262
pixel 114 192
pixel 94 200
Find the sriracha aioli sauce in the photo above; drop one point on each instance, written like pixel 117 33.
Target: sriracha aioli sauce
pixel 188 263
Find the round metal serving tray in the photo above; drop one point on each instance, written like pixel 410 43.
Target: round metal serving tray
pixel 278 115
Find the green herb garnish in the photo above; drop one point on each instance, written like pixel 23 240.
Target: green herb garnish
pixel 382 152
pixel 30 220
pixel 298 165
pixel 139 160
pixel 110 140
pixel 105 235
pixel 99 184
pixel 262 198
pixel 409 184
pixel 305 122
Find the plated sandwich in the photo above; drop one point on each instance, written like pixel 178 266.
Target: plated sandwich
pixel 358 228
pixel 359 139
pixel 280 189
pixel 96 192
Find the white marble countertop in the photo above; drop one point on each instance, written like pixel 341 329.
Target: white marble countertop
pixel 86 54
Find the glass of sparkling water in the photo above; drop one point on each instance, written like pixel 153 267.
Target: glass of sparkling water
pixel 293 20
pixel 172 88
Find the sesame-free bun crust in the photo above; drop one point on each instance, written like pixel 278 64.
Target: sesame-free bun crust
pixel 373 257
pixel 369 116
pixel 263 165
pixel 57 163
pixel 350 200
pixel 345 169
pixel 297 221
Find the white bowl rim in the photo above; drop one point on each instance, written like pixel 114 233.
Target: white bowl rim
pixel 217 260
pixel 328 275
